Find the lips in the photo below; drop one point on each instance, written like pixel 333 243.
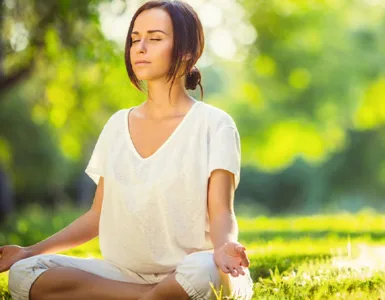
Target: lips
pixel 140 62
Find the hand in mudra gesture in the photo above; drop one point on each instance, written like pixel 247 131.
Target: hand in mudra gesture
pixel 231 258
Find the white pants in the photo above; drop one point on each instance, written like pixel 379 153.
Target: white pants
pixel 194 274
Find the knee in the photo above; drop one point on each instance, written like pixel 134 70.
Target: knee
pixel 196 272
pixel 19 271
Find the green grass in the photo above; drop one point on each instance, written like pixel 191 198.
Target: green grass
pixel 318 257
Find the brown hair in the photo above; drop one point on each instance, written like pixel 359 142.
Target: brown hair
pixel 188 39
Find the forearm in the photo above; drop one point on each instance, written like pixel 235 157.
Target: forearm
pixel 223 228
pixel 83 229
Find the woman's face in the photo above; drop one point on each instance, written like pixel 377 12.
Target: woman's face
pixel 152 41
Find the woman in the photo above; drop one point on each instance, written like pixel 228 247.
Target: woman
pixel 166 171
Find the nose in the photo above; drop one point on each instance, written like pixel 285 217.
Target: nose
pixel 141 47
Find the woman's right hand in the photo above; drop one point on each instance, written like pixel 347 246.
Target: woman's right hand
pixel 11 254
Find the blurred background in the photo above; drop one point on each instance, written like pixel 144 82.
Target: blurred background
pixel 303 79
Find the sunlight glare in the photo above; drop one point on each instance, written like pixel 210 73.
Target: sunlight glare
pixel 221 42
pixel 19 37
pixel 210 15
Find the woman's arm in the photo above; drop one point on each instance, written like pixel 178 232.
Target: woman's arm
pixel 82 230
pixel 223 223
pixel 229 254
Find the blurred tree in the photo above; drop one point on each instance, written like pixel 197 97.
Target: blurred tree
pixel 313 79
pixel 316 70
pixel 61 79
pixel 24 25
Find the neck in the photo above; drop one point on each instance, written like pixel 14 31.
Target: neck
pixel 159 104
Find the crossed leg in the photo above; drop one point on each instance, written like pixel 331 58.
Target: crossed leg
pixel 62 283
pixel 59 277
pixel 56 277
pixel 168 289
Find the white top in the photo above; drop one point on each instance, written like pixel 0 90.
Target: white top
pixel 154 209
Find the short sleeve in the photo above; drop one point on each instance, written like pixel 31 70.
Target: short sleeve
pixel 225 151
pixel 96 165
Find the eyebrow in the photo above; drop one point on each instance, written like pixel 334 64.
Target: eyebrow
pixel 150 31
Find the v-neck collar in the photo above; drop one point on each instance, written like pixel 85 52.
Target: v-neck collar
pixel 131 143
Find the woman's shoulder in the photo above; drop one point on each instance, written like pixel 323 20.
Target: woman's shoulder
pixel 217 117
pixel 115 120
pixel 117 116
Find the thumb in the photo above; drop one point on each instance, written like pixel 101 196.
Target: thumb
pixel 239 248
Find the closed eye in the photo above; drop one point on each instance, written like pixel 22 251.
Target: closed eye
pixel 150 39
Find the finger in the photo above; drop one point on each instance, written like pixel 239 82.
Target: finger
pixel 240 248
pixel 240 270
pixel 242 253
pixel 225 269
pixel 234 272
pixel 245 260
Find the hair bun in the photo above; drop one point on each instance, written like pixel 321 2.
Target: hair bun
pixel 193 79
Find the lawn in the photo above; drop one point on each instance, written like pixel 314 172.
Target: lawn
pixel 318 257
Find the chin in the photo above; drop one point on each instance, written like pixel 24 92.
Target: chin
pixel 143 76
pixel 148 77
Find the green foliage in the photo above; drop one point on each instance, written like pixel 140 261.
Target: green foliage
pixel 309 257
pixel 308 101
pixel 313 73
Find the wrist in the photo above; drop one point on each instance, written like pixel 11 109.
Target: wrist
pixel 30 251
pixel 220 245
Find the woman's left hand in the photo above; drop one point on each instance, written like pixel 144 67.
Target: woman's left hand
pixel 231 258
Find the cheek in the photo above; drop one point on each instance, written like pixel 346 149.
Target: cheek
pixel 164 51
